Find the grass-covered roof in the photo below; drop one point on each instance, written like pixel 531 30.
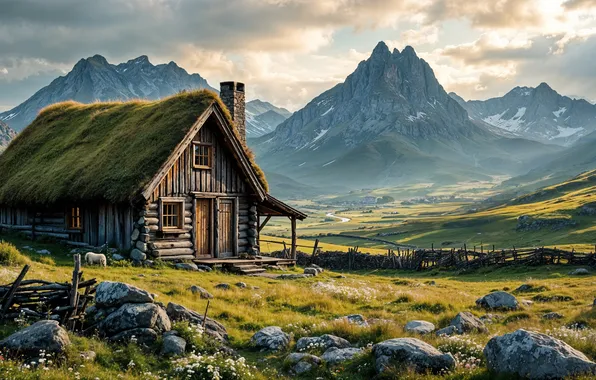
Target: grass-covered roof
pixel 109 151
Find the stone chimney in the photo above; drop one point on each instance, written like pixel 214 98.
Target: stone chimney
pixel 232 95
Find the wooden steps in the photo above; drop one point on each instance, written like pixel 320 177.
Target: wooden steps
pixel 247 269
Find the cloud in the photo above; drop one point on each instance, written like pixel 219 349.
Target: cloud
pixel 579 4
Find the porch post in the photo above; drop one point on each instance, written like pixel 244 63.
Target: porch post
pixel 293 237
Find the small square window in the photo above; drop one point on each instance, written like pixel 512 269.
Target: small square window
pixel 203 154
pixel 171 215
pixel 75 219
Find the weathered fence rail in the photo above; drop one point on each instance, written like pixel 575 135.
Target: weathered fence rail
pixel 458 259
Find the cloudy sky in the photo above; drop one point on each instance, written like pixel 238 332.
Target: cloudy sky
pixel 288 51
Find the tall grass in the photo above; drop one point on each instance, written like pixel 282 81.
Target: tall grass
pixel 11 256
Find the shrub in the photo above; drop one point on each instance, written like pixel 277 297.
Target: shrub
pixel 195 337
pixel 11 256
pixel 217 366
pixel 46 260
pixel 467 352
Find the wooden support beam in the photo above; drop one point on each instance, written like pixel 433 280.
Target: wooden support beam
pixel 293 219
pixel 264 223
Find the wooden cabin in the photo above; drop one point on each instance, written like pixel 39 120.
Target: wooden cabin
pixel 170 179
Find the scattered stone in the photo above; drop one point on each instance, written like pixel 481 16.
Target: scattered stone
pixel 420 356
pixel 43 335
pixel 529 288
pixel 527 303
pixel 552 315
pixel 321 270
pixel 195 289
pixel 111 294
pixel 431 283
pixel 340 276
pixel 44 252
pixel 311 271
pixel 117 257
pixel 212 327
pixel 419 327
pixel 241 285
pixel 498 300
pixel 447 331
pixel 173 346
pixel 135 234
pixel 356 319
pixel 271 338
pixel 293 276
pixel 138 255
pixel 580 272
pixel 187 266
pixel 134 316
pixel 149 263
pixel 336 355
pixel 324 342
pixel 535 356
pixel 141 335
pixel 529 223
pixel 88 355
pixel 466 322
pixel 223 286
pixel 491 318
pixel 206 268
pixel 302 362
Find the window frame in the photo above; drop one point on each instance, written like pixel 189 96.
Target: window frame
pixel 72 216
pixel 209 155
pixel 165 201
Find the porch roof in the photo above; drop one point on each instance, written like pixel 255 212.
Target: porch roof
pixel 272 206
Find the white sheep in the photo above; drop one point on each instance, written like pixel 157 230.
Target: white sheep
pixel 96 259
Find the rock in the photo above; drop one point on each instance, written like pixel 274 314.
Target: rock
pixel 141 246
pixel 173 346
pixel 187 266
pixel 88 355
pixel 552 315
pixel 293 276
pixel 223 286
pixel 414 353
pixel 44 252
pixel 135 234
pixel 529 223
pixel 241 285
pixel 111 294
pixel 466 322
pixel 206 268
pixel 137 255
pixel 580 272
pixel 324 342
pixel 212 327
pixel 527 288
pixel 311 271
pixel 142 335
pixel 301 362
pixel 336 355
pixel 133 316
pixel 447 331
pixel 419 327
pixel 42 335
pixel 149 263
pixel 340 276
pixel 318 269
pixel 271 338
pixel 498 300
pixel 491 318
pixel 356 319
pixel 535 356
pixel 527 303
pixel 117 257
pixel 198 290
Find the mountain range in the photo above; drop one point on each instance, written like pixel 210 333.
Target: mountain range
pixel 6 134
pixel 390 123
pixel 538 113
pixel 94 78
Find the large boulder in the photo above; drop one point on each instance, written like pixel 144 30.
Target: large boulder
pixel 323 342
pixel 133 316
pixel 195 289
pixel 43 335
pixel 110 294
pixel 141 335
pixel 271 338
pixel 535 356
pixel 301 362
pixel 466 322
pixel 498 300
pixel 213 328
pixel 336 355
pixel 173 346
pixel 412 353
pixel 419 327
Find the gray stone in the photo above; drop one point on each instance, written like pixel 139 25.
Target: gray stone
pixel 498 300
pixel 148 263
pixel 241 285
pixel 173 346
pixel 419 327
pixel 137 255
pixel 336 355
pixel 212 327
pixel 206 268
pixel 88 355
pixel 311 271
pixel 42 335
pixel 321 270
pixel 135 234
pixel 323 342
pixel 133 316
pixel 356 319
pixel 271 338
pixel 412 352
pixel 301 362
pixel 44 252
pixel 552 315
pixel 447 331
pixel 144 238
pixel 141 246
pixel 117 257
pixel 222 286
pixel 202 292
pixel 491 318
pixel 141 221
pixel 580 272
pixel 141 335
pixel 294 276
pixel 466 322
pixel 535 356
pixel 187 266
pixel 527 303
pixel 110 294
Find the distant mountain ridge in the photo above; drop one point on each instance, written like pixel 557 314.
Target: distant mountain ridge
pixel 263 117
pixel 389 123
pixel 6 134
pixel 538 113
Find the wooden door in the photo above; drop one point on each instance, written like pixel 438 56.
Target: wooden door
pixel 203 228
pixel 226 227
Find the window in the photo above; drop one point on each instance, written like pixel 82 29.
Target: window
pixel 171 215
pixel 203 154
pixel 75 220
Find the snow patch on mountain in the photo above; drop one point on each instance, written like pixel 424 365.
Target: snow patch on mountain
pixel 419 116
pixel 567 132
pixel 560 111
pixel 511 125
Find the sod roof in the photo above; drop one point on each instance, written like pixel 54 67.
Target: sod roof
pixel 111 151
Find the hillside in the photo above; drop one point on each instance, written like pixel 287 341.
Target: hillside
pixel 538 113
pixel 6 135
pixel 389 123
pixel 263 117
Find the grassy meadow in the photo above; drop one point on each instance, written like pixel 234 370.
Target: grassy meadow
pixel 309 307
